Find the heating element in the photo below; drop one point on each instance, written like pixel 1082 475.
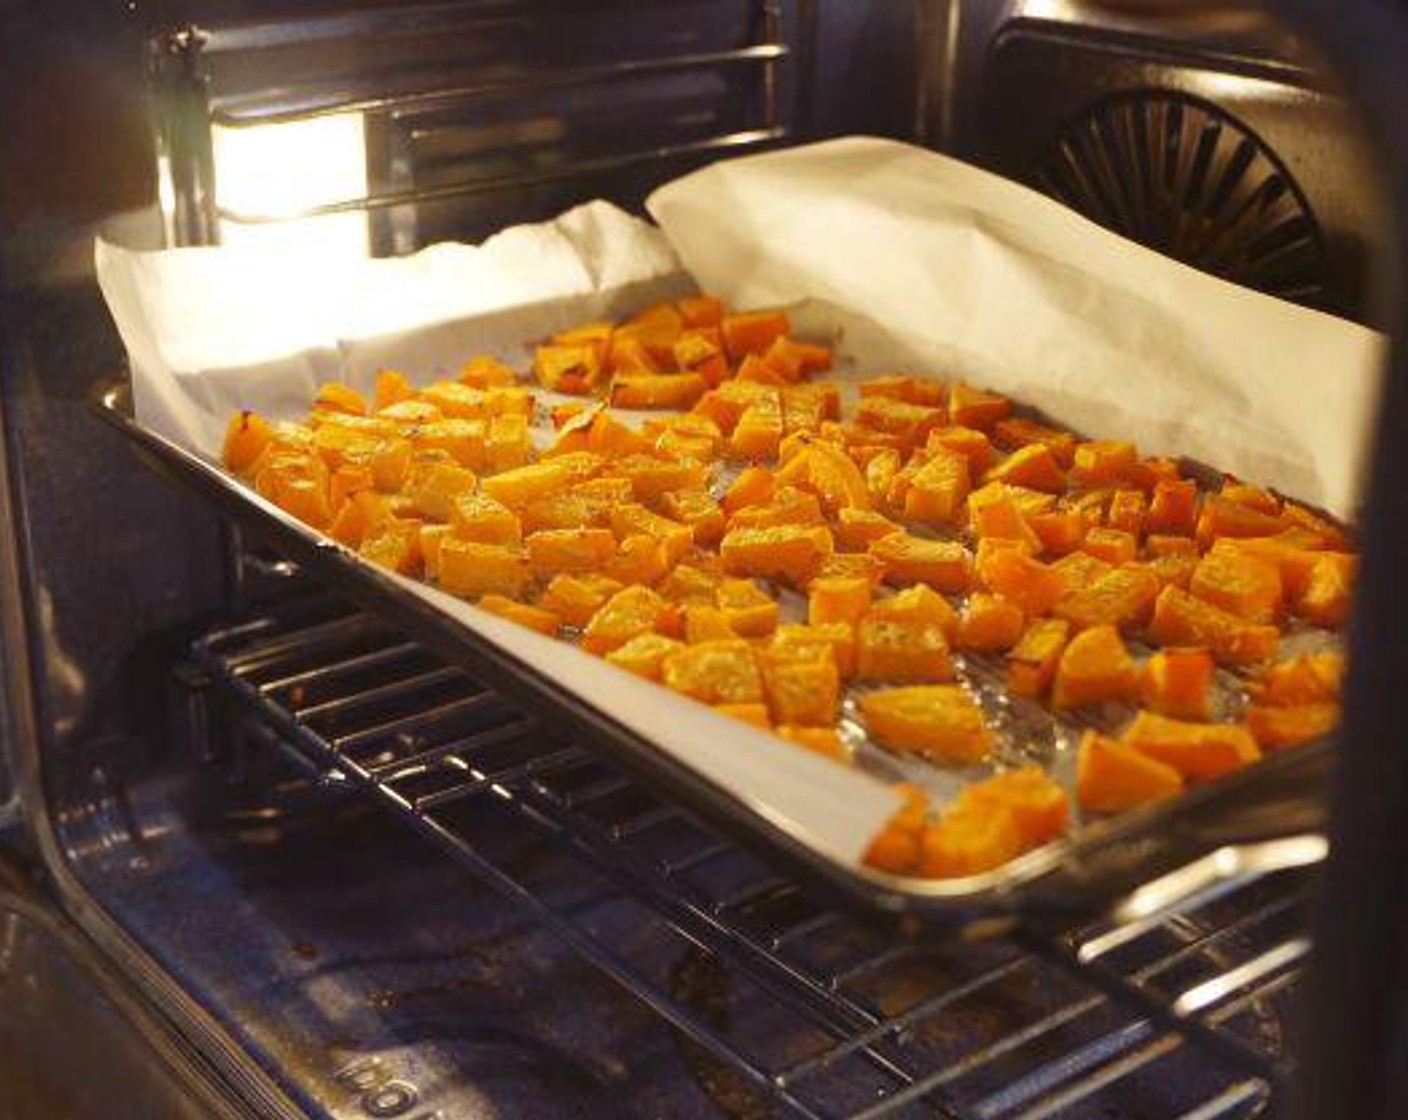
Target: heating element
pixel 782 1002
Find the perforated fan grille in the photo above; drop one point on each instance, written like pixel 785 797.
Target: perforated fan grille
pixel 1183 177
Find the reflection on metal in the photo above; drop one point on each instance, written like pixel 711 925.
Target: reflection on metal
pixel 1186 178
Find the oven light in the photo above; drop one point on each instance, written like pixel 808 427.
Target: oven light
pixel 287 169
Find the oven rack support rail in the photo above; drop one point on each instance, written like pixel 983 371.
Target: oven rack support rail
pixel 369 709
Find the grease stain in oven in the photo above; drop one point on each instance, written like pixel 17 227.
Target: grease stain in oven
pixel 379 1092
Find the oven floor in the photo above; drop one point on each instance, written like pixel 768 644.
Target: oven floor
pixel 376 978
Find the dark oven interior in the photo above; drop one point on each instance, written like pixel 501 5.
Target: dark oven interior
pixel 358 882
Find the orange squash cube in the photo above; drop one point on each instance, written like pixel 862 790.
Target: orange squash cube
pixel 1159 547
pixel 852 565
pixel 1039 807
pixel 789 506
pixel 902 387
pixel 944 565
pixel 1199 751
pixel 800 690
pixel 1238 583
pixel 838 600
pixel 1277 728
pixel 857 528
pixel 1059 533
pixel 471 570
pixel 1031 666
pixel 1033 586
pixel 552 551
pixel 246 437
pixel 1018 432
pixel 517 488
pixel 357 517
pixel 478 517
pixel 973 408
pixel 758 433
pixel 1124 597
pixel 990 624
pixel 1080 570
pixel 756 714
pixel 334 396
pixel 911 423
pixel 391 388
pixel 507 444
pixel 993 513
pixel 394 545
pixel 1127 511
pixel 788 552
pixel 1181 619
pixel 1032 466
pixel 750 611
pixel 1114 546
pixel 431 538
pixel 391 464
pixel 1329 592
pixel 830 474
pixel 575 598
pixel 456 401
pixel 895 848
pixel 644 655
pixel 657 390
pixel 433 490
pixel 1173 510
pixel 575 370
pixel 1178 683
pixel 1102 463
pixel 701 311
pixel 1222 517
pixel 704 623
pixel 970 838
pixel 754 486
pixel 1095 668
pixel 632 519
pixel 699 511
pixel 1313 678
pixel 715 673
pixel 481 372
pixel 1112 777
pixel 688 583
pixel 834 640
pixel 752 332
pixel 535 618
pixel 972 444
pixel 639 558
pixel 629 613
pixel 941 722
pixel 919 603
pixel 902 650
pixel 652 477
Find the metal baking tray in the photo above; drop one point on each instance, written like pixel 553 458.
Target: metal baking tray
pixel 1267 816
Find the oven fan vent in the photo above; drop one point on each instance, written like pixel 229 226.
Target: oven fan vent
pixel 1183 177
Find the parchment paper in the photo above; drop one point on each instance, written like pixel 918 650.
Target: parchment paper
pixel 908 260
pixel 970 275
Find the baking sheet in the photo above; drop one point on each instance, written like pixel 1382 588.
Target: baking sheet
pixel 212 331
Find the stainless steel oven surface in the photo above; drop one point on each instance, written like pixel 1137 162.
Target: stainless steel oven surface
pixel 328 873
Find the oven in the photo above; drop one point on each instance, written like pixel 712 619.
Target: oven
pixel 312 867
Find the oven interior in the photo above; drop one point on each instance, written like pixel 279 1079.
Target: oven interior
pixel 359 881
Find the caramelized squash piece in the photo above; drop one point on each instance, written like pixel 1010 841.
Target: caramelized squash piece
pixel 904 650
pixel 1222 517
pixel 1180 619
pixel 838 600
pixel 990 624
pixel 1277 728
pixel 628 614
pixel 1031 666
pixel 1030 584
pixel 246 438
pixel 896 848
pixel 969 839
pixel 1239 583
pixel 789 552
pixel 657 390
pixel 919 604
pixel 1312 678
pixel 535 618
pixel 1200 751
pixel 1039 807
pixel 1102 463
pixel 750 611
pixel 1017 432
pixel 857 528
pixel 994 513
pixel 575 598
pixel 1329 590
pixel 471 570
pixel 1033 466
pixel 941 722
pixel 943 565
pixel 1114 546
pixel 1095 667
pixel 715 673
pixel 1123 598
pixel 752 332
pixel 800 690
pixel 937 490
pixel 1112 777
pixel 1060 532
pixel 1178 683
pixel 1127 511
pixel 552 551
pixel 973 408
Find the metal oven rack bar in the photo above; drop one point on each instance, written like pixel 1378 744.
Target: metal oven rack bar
pixel 824 1015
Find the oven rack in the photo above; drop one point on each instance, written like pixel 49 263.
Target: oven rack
pixel 820 1013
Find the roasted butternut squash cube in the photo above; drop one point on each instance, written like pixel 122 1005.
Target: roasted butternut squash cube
pixel 941 722
pixel 716 673
pixel 944 565
pixel 517 488
pixel 789 506
pixel 246 437
pixel 703 623
pixel 1112 777
pixel 1080 569
pixel 507 445
pixel 1039 807
pixel 912 423
pixel 1178 683
pixel 391 464
pixel 754 486
pixel 675 443
pixel 1031 666
pixel 758 433
pixel 830 474
pixel 882 473
pixel 994 513
pixel 800 690
pixel 752 332
pixel 836 640
pixel 1198 751
pixel 652 477
pixel 756 714
pixel 838 600
pixel 920 603
pixel 1317 531
pixel 1102 463
pixel 357 517
pixel 990 624
pixel 902 387
pixel 657 390
pixel 787 552
pixel 535 618
pixel 973 408
pixel 334 396
pixel 1031 585
pixel 301 491
pixel 1277 728
pixel 1311 678
pixel 552 551
pixel 486 372
pixel 902 650
pixel 1095 668
pixel 455 400
pixel 1059 532
pixel 395 545
pixel 825 741
pixel 644 655
pixel 629 613
pixel 1032 466
pixel 1127 511
pixel 471 570
pixel 575 370
pixel 1123 597
pixel 1018 432
pixel 1181 619
pixel 391 388
pixel 1114 546
pixel 639 558
pixel 750 611
pixel 687 583
pixel 852 565
pixel 857 528
pixel 896 847
pixel 630 355
pixel 434 490
pixel 348 480
pixel 465 440
pixel 410 413
pixel 1222 517
pixel 575 598
pixel 1173 509
pixel 1329 591
pixel 1159 546
pixel 970 838
pixel 698 510
pixel 478 517
pixel 1239 583
pixel 632 519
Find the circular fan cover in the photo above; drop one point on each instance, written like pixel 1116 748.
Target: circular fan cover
pixel 1183 177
